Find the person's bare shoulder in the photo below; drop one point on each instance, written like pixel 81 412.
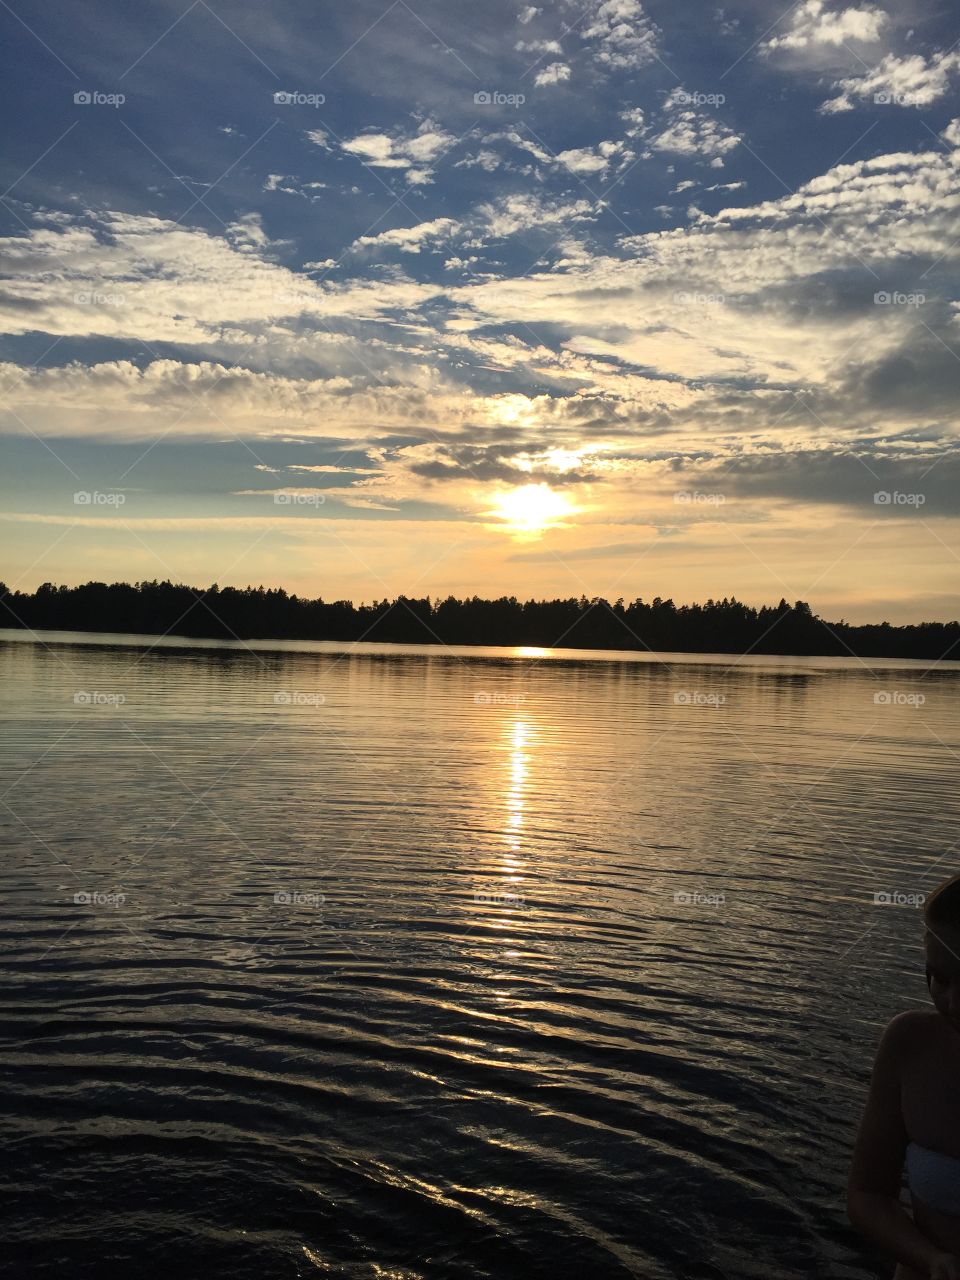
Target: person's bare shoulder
pixel 909 1031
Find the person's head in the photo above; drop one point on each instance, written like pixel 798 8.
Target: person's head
pixel 941 914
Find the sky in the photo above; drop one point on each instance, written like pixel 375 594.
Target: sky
pixel 363 299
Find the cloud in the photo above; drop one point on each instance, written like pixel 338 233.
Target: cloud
pixel 692 134
pixel 577 160
pixel 914 81
pixel 625 39
pixel 410 239
pixel 765 315
pixel 751 333
pixel 590 159
pixel 151 280
pixel 634 120
pixel 117 399
pixel 161 524
pixel 813 25
pixel 510 214
pixel 412 152
pixel 280 182
pixel 538 46
pixel 504 461
pixel 554 73
pixel 484 159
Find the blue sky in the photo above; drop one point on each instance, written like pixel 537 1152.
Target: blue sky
pixel 612 299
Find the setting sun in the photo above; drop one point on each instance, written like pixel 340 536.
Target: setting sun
pixel 531 509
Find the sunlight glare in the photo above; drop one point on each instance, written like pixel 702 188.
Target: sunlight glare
pixel 531 509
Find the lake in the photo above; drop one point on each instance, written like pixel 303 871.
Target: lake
pixel 412 963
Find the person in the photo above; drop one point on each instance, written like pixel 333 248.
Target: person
pixel 912 1117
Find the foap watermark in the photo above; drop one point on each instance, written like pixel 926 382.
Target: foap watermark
pixel 86 498
pixel 682 98
pixel 97 698
pixel 895 898
pixel 296 498
pixel 294 98
pixel 884 98
pixel 695 698
pixel 485 699
pixel 894 498
pixel 97 899
pixel 92 298
pixel 499 898
pixel 94 98
pixel 497 98
pixel 296 299
pixel 697 498
pixel 893 298
pixel 295 698
pixel 694 298
pixel 898 698
pixel 297 898
pixel 693 898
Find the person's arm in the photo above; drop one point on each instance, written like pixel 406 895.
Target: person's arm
pixel 873 1190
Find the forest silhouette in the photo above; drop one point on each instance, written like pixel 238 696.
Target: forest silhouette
pixel 259 613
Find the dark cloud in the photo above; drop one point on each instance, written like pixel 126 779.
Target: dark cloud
pixel 849 479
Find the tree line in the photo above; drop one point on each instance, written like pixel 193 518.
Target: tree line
pixel 262 613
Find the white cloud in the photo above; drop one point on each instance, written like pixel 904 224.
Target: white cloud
pixel 691 134
pixel 412 152
pixel 152 280
pixel 726 299
pixel 634 119
pixel 510 214
pixel 527 14
pixel 625 38
pixel 538 46
pixel 590 159
pixel 246 233
pixel 280 182
pixel 376 149
pixel 212 400
pixel 951 134
pixel 914 81
pixel 555 73
pixel 578 160
pixel 410 239
pixel 524 143
pixel 484 159
pixel 814 23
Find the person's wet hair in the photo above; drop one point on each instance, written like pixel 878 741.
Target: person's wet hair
pixel 942 909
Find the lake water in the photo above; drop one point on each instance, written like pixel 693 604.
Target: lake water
pixel 413 963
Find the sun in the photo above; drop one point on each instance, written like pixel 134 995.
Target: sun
pixel 531 509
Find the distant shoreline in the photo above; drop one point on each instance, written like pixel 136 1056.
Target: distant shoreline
pixel 258 615
pixel 556 654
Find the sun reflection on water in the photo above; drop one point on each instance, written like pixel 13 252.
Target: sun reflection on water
pixel 519 737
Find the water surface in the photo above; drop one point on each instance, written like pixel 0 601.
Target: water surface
pixel 379 961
